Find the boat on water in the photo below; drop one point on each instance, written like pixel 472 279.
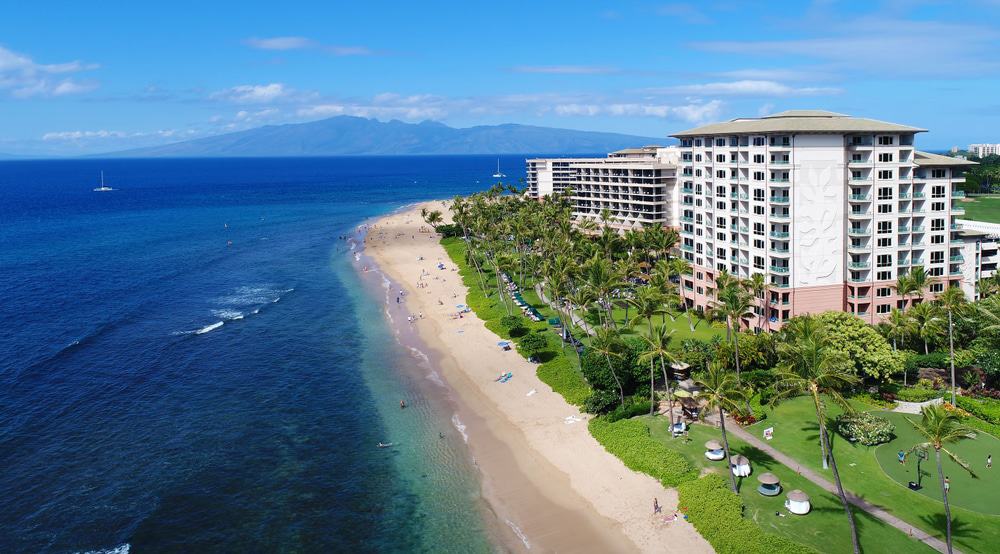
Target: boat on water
pixel 103 187
pixel 498 174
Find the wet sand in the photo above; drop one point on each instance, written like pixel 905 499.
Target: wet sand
pixel 551 486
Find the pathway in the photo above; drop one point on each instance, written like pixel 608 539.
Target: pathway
pixel 575 319
pixel 861 503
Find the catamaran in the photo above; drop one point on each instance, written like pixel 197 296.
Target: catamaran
pixel 498 175
pixel 103 187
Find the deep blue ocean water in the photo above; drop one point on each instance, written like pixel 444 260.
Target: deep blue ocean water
pixel 191 363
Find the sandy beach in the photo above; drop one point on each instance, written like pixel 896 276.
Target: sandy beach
pixel 548 481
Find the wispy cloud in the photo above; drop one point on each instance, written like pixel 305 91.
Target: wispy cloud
pixel 104 134
pixel 261 94
pixel 303 43
pixel 745 88
pixel 22 77
pixel 566 69
pixel 695 112
pixel 688 13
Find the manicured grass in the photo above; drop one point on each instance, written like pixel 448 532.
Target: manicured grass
pixel 825 528
pixel 982 208
pixel 980 493
pixel 703 329
pixel 795 434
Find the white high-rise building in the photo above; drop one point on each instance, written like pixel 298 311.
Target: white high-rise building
pixel 983 150
pixel 830 209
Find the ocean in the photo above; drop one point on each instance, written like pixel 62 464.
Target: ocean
pixel 192 363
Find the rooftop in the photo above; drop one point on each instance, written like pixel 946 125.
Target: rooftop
pixel 928 159
pixel 801 121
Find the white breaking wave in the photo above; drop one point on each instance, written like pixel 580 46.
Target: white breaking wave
pixel 123 549
pixel 210 328
pixel 460 427
pixel 228 314
pixel 520 534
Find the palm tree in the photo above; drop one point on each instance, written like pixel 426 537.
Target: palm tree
pixel 941 427
pixel 647 303
pixel 810 366
pixel 681 267
pixel 951 301
pixel 722 392
pixel 918 281
pixel 757 286
pixel 658 347
pixel 734 303
pixel 930 324
pixel 899 326
pixel 988 311
pixel 607 343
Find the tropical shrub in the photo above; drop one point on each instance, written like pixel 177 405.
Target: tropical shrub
pixel 917 394
pixel 871 353
pixel 986 409
pixel 717 513
pixel 629 440
pixel 866 428
pixel 633 407
pixel 564 379
pixel 532 343
pixel 448 230
pixel 511 321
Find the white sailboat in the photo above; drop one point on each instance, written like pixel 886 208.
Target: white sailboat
pixel 498 175
pixel 103 187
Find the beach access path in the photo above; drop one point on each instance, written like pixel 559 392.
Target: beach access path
pixel 750 438
pixel 596 503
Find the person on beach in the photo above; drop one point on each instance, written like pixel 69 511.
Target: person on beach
pixel 402 404
pixel 656 506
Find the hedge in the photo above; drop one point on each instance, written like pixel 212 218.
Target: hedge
pixel 916 394
pixel 564 379
pixel 629 440
pixel 717 513
pixel 984 408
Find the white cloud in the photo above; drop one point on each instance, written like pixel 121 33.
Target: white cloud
pixel 76 136
pixel 566 69
pixel 22 77
pixel 695 112
pixel 280 43
pixel 261 94
pixel 746 88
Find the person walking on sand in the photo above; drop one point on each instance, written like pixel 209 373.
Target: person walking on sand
pixel 656 506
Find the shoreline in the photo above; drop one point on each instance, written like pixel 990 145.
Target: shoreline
pixel 551 486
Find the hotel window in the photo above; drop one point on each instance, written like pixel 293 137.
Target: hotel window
pixel 937 191
pixel 733 158
pixel 759 141
pixel 884 227
pixel 686 143
pixel 758 175
pixel 697 142
pixel 936 272
pixel 721 174
pixel 734 174
pixel 885 174
pixel 883 308
pixel 759 210
pixel 884 260
pixel 857 140
pixel 885 193
pixel 721 158
pixel 884 275
pixel 697 157
pixel 937 206
pixel 937 239
pixel 885 157
pixel 758 262
pixel 758 229
pixel 758 195
pixel 883 292
pixel 720 142
pixel 885 242
pixel 885 140
pixel 757 243
pixel 937 257
pixel 857 158
pixel 937 174
pixel 885 208
pixel 937 287
pixel 758 158
pixel 937 225
pixel 855 174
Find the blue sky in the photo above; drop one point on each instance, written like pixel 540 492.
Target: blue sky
pixel 86 77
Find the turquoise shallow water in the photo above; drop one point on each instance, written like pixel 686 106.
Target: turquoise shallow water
pixel 192 363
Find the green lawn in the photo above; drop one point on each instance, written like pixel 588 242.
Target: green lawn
pixel 825 528
pixel 795 434
pixel 982 208
pixel 703 329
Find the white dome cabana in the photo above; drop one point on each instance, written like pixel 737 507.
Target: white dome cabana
pixel 714 451
pixel 797 502
pixel 740 465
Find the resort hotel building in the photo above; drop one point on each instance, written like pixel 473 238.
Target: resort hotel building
pixel 831 209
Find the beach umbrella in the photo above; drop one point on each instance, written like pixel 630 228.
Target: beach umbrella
pixel 770 479
pixel 798 496
pixel 739 460
pixel 713 445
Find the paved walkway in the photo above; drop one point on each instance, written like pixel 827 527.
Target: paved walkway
pixel 861 503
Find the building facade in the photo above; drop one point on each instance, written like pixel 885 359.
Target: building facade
pixel 831 209
pixel 983 150
pixel 635 187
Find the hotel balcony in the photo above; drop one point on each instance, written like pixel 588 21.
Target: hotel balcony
pixel 867 214
pixel 860 198
pixel 782 269
pixel 859 249
pixel 778 180
pixel 860 265
pixel 780 252
pixel 904 196
pixel 780 199
pixel 859 232
pixel 779 234
pixel 781 216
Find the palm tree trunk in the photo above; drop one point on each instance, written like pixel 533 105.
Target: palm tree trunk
pixel 843 499
pixel 736 345
pixel 652 395
pixel 621 392
pixel 824 448
pixel 725 445
pixel 951 352
pixel 670 397
pixel 944 496
pixel 927 349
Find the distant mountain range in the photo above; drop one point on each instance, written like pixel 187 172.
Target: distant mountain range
pixel 347 135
